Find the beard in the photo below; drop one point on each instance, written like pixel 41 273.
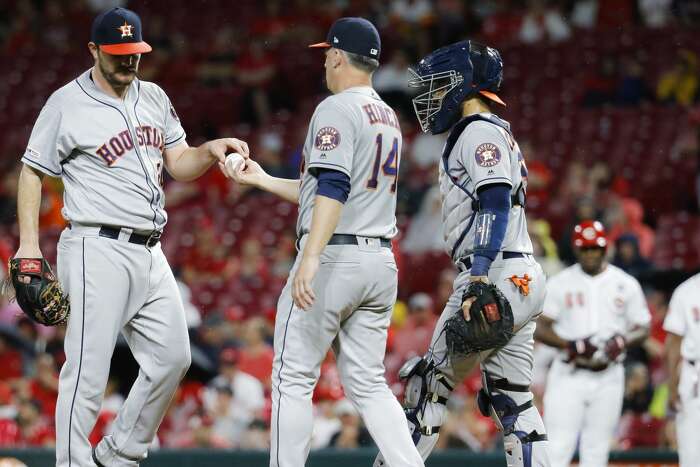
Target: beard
pixel 116 74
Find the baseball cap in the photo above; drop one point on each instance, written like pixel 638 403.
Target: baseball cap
pixel 589 234
pixel 354 35
pixel 118 32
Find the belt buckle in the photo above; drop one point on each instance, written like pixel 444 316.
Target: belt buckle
pixel 153 238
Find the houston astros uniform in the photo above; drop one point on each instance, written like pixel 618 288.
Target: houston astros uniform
pixel 356 133
pixel 683 319
pixel 485 153
pixel 580 400
pixel 109 154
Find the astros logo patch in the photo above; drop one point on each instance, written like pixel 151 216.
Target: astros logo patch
pixel 487 155
pixel 327 138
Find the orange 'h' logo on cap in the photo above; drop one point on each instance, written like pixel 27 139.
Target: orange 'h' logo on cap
pixel 125 29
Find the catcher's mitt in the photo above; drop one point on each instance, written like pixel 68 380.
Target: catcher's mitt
pixel 37 291
pixel 490 326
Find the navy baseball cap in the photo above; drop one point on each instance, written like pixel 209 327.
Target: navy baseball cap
pixel 354 35
pixel 118 32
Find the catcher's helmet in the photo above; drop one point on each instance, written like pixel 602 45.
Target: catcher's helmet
pixel 590 234
pixel 452 74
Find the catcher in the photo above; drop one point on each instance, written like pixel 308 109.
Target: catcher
pixel 490 317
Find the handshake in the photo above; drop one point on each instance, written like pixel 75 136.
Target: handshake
pixel 587 352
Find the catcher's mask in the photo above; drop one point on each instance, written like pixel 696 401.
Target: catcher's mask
pixel 452 74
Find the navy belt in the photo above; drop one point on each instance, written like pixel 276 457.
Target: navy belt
pixel 347 239
pixel 467 261
pixel 149 240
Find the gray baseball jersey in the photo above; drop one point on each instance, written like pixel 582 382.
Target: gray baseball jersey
pixel 356 133
pixel 108 151
pixel 485 153
pixel 355 287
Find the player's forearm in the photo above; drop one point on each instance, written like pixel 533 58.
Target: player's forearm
pixel 324 221
pixel 285 188
pixel 673 359
pixel 636 336
pixel 544 332
pixel 28 203
pixel 191 163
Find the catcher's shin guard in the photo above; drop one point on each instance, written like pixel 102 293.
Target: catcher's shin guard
pixel 520 422
pixel 427 391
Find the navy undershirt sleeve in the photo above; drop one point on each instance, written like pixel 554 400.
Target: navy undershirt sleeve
pixel 332 184
pixel 495 200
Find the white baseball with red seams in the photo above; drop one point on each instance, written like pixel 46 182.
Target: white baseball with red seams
pixel 234 161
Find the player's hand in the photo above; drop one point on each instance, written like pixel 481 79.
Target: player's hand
pixel 466 305
pixel 581 348
pixel 615 346
pixel 218 148
pixel 248 173
pixel 302 290
pixel 674 400
pixel 28 251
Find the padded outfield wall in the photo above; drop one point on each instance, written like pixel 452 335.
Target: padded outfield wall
pixel 336 458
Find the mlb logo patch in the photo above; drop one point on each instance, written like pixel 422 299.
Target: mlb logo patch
pixel 487 155
pixel 33 152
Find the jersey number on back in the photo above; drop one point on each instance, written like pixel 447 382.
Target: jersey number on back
pixel 390 166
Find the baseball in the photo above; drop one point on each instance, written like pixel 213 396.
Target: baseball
pixel 234 161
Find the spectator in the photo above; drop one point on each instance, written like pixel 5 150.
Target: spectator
pixel 246 393
pixel 255 70
pixel 426 150
pixel 44 385
pixel 542 21
pixel 414 336
pixel 425 231
pixel 390 81
pixel 11 358
pixel 255 357
pixel 631 221
pixel 544 248
pixel 599 87
pixel 28 429
pixel 627 256
pixel 680 84
pixel 326 424
pixel 351 434
pixel 655 13
pixel 632 88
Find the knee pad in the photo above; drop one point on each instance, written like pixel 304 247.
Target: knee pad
pixel 504 411
pixel 425 385
pixel 518 447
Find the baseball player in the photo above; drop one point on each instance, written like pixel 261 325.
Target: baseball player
pixel 592 313
pixel 343 285
pixel 683 358
pixel 482 182
pixel 109 135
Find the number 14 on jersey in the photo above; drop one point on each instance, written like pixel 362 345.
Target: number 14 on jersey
pixel 390 167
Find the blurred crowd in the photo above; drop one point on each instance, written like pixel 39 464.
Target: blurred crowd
pixel 232 248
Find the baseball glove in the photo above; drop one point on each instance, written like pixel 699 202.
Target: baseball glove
pixel 37 291
pixel 490 324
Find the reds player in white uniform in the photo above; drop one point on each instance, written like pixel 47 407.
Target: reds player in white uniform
pixel 683 357
pixel 593 311
pixel 108 136
pixel 342 288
